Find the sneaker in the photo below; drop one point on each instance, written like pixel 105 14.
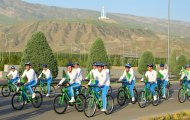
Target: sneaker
pixel 24 103
pixel 164 96
pixel 155 98
pixel 47 95
pixel 103 110
pixel 72 100
pixel 17 89
pixel 33 95
pixel 133 99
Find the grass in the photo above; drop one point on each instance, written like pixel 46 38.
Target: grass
pixel 175 116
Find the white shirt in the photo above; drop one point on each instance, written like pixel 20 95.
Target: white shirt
pixel 165 74
pixel 187 75
pixel 47 73
pixel 103 78
pixel 152 76
pixel 30 74
pixel 72 76
pixel 79 73
pixel 93 73
pixel 14 74
pixel 131 72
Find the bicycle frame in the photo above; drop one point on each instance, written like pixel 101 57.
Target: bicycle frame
pixel 126 90
pixel 148 94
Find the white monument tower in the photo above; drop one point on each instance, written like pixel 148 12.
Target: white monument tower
pixel 103 14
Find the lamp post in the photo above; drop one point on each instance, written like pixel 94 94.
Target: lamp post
pixel 168 33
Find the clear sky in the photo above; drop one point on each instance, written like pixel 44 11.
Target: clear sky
pixel 180 9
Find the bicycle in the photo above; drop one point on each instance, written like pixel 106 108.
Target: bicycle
pixel 61 101
pixel 8 88
pixel 146 96
pixel 22 96
pixel 92 102
pixel 124 94
pixel 183 93
pixel 43 88
pixel 167 90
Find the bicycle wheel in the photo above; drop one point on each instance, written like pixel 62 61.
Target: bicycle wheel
pixel 52 91
pixel 60 104
pixel 17 101
pixel 167 93
pixel 156 102
pixel 110 90
pixel 90 107
pixel 121 97
pixel 135 96
pixel 39 89
pixel 79 102
pixel 37 101
pixel 5 91
pixel 110 105
pixel 182 95
pixel 142 99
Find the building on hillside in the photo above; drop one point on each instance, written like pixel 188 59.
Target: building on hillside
pixel 103 15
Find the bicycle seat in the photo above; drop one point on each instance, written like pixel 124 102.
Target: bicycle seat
pixel 64 84
pixel 20 84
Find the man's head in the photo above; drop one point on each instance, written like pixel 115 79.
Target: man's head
pixel 94 66
pixel 150 67
pixel 100 67
pixel 105 65
pixel 162 66
pixel 27 66
pixel 187 66
pixel 69 67
pixel 13 68
pixel 76 65
pixel 127 67
pixel 45 67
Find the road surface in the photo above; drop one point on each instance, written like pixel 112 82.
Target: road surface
pixel 127 112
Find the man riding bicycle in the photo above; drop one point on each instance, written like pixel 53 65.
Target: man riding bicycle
pixel 151 75
pixel 186 74
pixel 32 79
pixel 74 82
pixel 15 75
pixel 129 79
pixel 163 80
pixel 48 76
pixel 78 71
pixel 92 75
pixel 104 84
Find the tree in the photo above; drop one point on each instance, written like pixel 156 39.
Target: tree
pixel 172 65
pixel 181 61
pixel 97 53
pixel 38 52
pixel 146 58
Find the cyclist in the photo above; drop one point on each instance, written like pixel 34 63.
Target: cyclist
pixel 48 76
pixel 163 80
pixel 15 75
pixel 78 71
pixel 104 84
pixel 74 82
pixel 32 79
pixel 129 78
pixel 186 73
pixel 151 75
pixel 92 75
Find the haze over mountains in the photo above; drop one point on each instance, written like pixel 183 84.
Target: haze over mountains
pixel 73 30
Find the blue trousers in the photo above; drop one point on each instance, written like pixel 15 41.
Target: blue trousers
pixel 72 87
pixel 187 83
pixel 13 81
pixel 130 86
pixel 104 94
pixel 152 87
pixel 29 86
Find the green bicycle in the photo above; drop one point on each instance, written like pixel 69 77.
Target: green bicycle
pixel 124 94
pixel 8 88
pixel 43 88
pixel 19 99
pixel 92 102
pixel 146 96
pixel 61 101
pixel 167 90
pixel 183 93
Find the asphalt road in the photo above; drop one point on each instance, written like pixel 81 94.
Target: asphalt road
pixel 127 112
